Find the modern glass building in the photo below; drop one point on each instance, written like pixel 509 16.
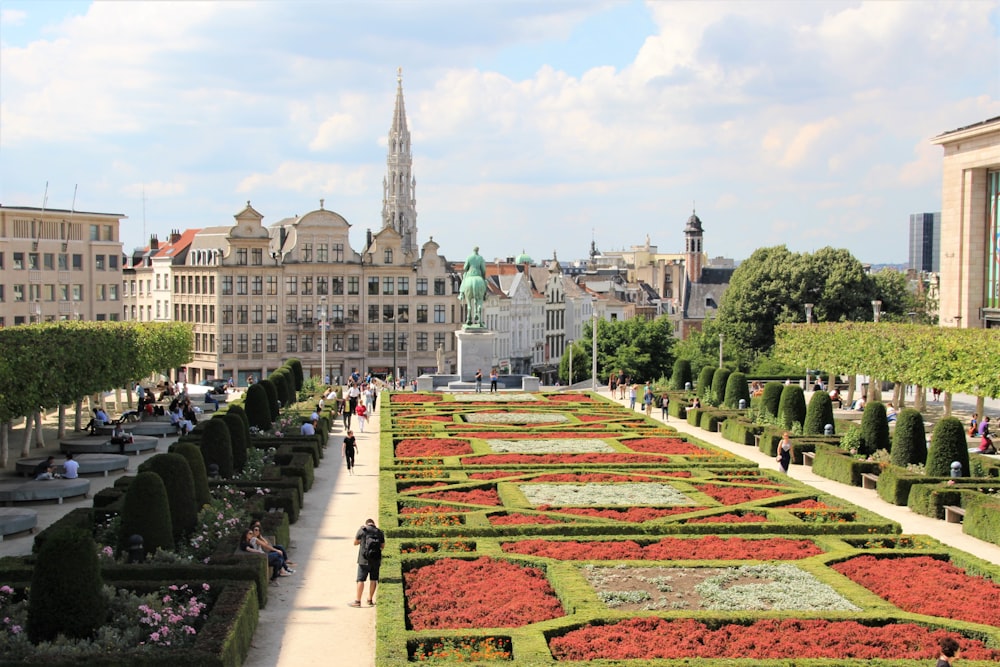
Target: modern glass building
pixel 925 242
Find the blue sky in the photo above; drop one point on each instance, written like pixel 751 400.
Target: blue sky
pixel 536 126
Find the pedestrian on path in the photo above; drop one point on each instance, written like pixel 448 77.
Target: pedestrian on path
pixel 479 380
pixel 949 652
pixel 348 450
pixel 370 540
pixel 665 406
pixel 784 457
pixel 632 392
pixel 362 413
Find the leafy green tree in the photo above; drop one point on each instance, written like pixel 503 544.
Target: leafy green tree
pixel 719 380
pixel 146 512
pixel 792 406
pixel 681 375
pixel 178 480
pixel 581 350
pixel 258 410
pixel 770 401
pixel 818 414
pixel 874 429
pixel 702 347
pixel 643 349
pixel 948 444
pixel 66 595
pixel 909 439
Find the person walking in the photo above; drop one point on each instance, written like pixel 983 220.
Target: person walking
pixel 665 406
pixel 647 399
pixel 370 540
pixel 362 413
pixel 348 450
pixel 632 392
pixel 784 457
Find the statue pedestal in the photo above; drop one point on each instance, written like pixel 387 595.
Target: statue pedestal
pixel 475 351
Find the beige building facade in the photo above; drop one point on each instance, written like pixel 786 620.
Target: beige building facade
pixel 970 234
pixel 59 265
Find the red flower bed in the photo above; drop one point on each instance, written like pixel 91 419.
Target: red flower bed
pixel 926 585
pixel 493 474
pixel 453 593
pixel 746 517
pixel 596 418
pixel 414 398
pixel 710 547
pixel 432 447
pixel 429 509
pixel 675 446
pixel 589 477
pixel 518 433
pixel 630 515
pixel 650 638
pixel 562 459
pixel 516 518
pixel 569 398
pixel 473 496
pixel 751 480
pixel 808 504
pixel 734 495
pixel 421 487
pixel 433 418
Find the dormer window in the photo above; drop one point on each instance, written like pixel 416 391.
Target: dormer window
pixel 241 256
pixel 388 256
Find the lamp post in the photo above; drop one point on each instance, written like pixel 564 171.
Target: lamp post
pixel 395 346
pixel 809 313
pixel 322 342
pixel 912 315
pixel 593 353
pixel 873 392
pixel 720 350
pixel 877 309
pixel 570 363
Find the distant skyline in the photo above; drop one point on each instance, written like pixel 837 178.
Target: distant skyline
pixel 536 126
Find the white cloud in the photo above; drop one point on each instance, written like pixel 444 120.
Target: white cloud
pixel 12 17
pixel 310 178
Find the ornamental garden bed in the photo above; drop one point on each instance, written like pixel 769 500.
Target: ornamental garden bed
pixel 630 542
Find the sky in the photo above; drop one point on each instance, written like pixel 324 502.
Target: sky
pixel 536 126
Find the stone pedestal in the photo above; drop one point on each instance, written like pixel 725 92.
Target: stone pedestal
pixel 475 351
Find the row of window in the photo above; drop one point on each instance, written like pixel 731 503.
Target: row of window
pixel 319 285
pixel 21 319
pixel 61 292
pixel 261 314
pixel 50 261
pixel 244 343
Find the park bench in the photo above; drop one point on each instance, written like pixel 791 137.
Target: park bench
pixel 807 458
pixel 954 513
pixel 868 480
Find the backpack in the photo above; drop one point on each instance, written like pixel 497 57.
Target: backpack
pixel 371 544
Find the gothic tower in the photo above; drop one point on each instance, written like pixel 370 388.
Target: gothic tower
pixel 399 205
pixel 693 249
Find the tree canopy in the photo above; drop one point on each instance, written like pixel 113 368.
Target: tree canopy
pixel 643 349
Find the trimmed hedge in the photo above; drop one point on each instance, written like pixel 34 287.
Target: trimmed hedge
pixel 818 414
pixel 874 429
pixel 719 381
pixel 833 463
pixel 948 443
pixel 737 389
pixel 66 588
pixel 175 472
pixel 770 400
pixel 792 406
pixel 681 375
pixel 909 439
pixel 146 512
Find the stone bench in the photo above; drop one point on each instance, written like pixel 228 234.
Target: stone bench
pixel 868 480
pixel 154 426
pixel 140 443
pixel 89 464
pixel 14 520
pixel 807 458
pixel 954 513
pixel 28 491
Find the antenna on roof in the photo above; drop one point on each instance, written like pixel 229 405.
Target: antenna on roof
pixel 72 209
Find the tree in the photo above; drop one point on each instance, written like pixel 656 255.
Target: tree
pixel 272 398
pixel 146 512
pixel 643 349
pixel 818 414
pixel 258 410
pixel 681 376
pixel 909 439
pixel 581 362
pixel 196 462
pixel 217 446
pixel 66 595
pixel 874 429
pixel 792 406
pixel 770 401
pixel 719 380
pixel 178 481
pixel 704 386
pixel 737 390
pixel 948 444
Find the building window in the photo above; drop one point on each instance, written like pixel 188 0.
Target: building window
pixel 439 287
pixel 353 283
pixel 321 285
pixel 63 262
pixel 422 314
pixel 337 314
pixel 438 314
pixel 403 314
pixel 241 343
pixel 19 261
pixel 387 256
pixel 272 285
pixel 112 292
pixel 307 343
pixel 388 285
pixel 227 314
pixel 387 341
pixel 439 340
pixel 372 285
pixel 353 314
pixel 241 256
pixel 77 262
pixel 227 343
pixel 18 293
pixel 307 285
pixel 387 313
pixel 291 284
pixel 421 341
pixel 337 285
pixel 102 292
pixel 258 343
pixel 49 261
pixel 257 286
pixel 241 285
pixel 77 292
pixel 322 253
pixel 401 341
pixel 291 315
pixel 307 256
pixel 353 343
pixel 421 286
pixel 372 342
pixel 272 342
pixel 372 313
pixel 272 314
pixel 112 262
pixel 227 285
pixel 404 286
pixel 291 343
pixel 257 256
pixel 338 252
pixel 258 315
pixel 337 342
pixel 98 262
pixel 95 233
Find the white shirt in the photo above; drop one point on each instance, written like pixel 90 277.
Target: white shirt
pixel 70 469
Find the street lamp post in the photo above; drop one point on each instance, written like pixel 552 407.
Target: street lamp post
pixel 873 391
pixel 322 342
pixel 877 309
pixel 593 353
pixel 720 350
pixel 570 363
pixel 395 346
pixel 809 313
pixel 912 315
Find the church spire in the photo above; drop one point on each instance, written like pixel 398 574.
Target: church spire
pixel 399 205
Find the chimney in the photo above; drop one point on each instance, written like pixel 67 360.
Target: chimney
pixel 154 243
pixel 368 236
pixel 175 235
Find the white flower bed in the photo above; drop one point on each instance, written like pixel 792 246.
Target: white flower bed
pixel 516 418
pixel 551 446
pixel 472 397
pixel 781 586
pixel 626 494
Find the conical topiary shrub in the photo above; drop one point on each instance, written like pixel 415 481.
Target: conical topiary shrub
pixel 681 374
pixel 239 440
pixel 909 439
pixel 217 446
pixel 791 406
pixel 737 390
pixel 146 512
pixel 818 414
pixel 948 444
pixel 874 429
pixel 704 387
pixel 234 409
pixel 192 454
pixel 66 594
pixel 295 366
pixel 282 386
pixel 175 472
pixel 719 380
pixel 293 395
pixel 272 398
pixel 257 409
pixel 770 400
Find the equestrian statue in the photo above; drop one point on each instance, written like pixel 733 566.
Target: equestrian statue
pixel 473 290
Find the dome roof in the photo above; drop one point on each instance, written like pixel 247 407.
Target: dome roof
pixel 694 224
pixel 524 258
